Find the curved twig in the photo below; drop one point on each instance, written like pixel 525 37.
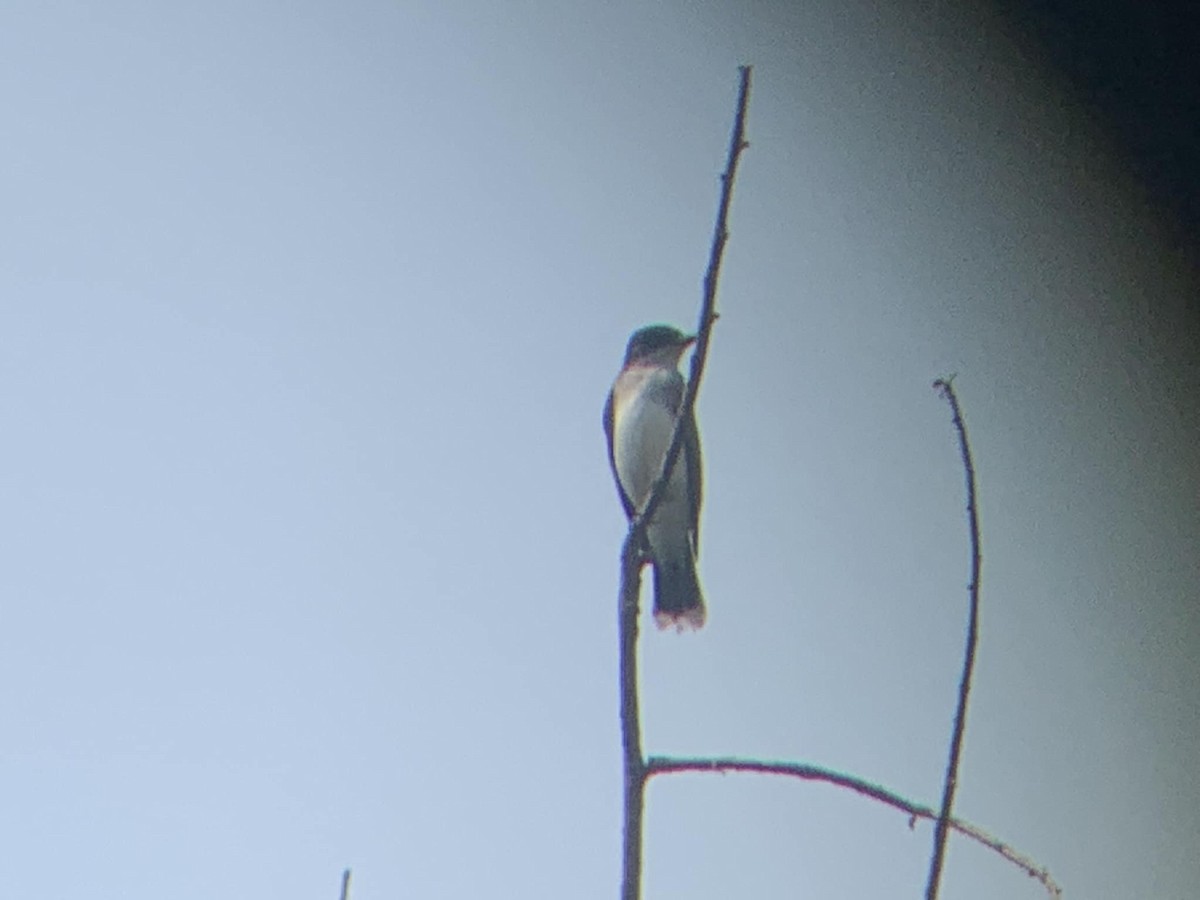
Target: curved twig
pixel 945 387
pixel 664 765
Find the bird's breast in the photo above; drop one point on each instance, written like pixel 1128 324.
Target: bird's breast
pixel 642 429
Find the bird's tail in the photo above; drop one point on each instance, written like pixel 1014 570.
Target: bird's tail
pixel 677 597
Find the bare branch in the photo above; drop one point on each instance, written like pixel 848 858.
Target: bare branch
pixel 945 387
pixel 631 727
pixel 708 315
pixel 631 735
pixel 662 765
pixel 346 885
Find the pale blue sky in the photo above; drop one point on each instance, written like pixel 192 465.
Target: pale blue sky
pixel 308 545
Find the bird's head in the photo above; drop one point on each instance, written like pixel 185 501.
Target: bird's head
pixel 657 345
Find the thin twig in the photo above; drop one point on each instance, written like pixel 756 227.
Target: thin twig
pixel 631 735
pixel 663 765
pixel 708 315
pixel 346 885
pixel 945 387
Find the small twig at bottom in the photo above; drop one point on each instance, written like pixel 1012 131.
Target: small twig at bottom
pixel 664 765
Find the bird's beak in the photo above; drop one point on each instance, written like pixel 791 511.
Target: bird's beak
pixel 688 341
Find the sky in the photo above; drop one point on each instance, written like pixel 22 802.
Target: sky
pixel 308 543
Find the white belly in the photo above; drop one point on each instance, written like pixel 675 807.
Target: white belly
pixel 642 432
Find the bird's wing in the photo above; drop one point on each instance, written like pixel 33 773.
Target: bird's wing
pixel 612 459
pixel 673 391
pixel 695 478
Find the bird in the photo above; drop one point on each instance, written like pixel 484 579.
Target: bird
pixel 639 419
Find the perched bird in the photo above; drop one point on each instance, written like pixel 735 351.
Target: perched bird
pixel 639 419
